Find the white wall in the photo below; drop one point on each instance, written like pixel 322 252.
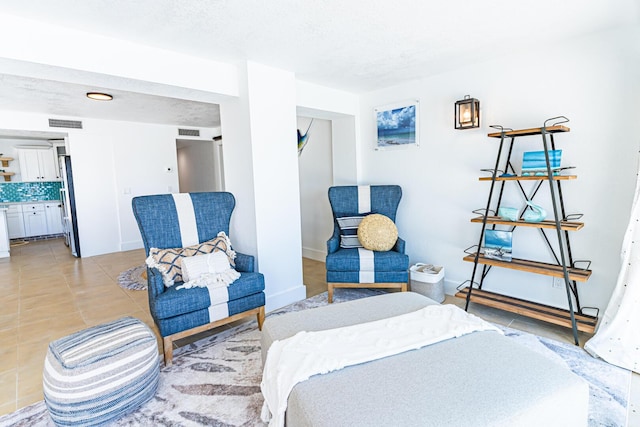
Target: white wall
pixel 272 108
pixel 591 80
pixel 261 170
pixel 316 176
pixel 112 162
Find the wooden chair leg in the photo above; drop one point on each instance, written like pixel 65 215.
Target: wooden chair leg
pixel 260 317
pixel 403 288
pixel 167 345
pixel 330 292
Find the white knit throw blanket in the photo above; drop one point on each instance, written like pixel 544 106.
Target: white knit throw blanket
pixel 297 358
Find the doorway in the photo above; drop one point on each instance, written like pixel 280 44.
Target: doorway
pixel 200 165
pixel 315 171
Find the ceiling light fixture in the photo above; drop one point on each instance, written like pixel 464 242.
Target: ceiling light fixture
pixel 99 96
pixel 467 113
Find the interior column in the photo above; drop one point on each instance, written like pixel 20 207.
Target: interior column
pixel 261 170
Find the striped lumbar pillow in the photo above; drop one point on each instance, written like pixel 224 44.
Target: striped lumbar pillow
pixel 349 230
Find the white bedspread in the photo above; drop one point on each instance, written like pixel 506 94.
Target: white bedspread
pixel 305 354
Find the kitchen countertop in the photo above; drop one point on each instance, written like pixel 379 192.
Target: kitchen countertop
pixel 7 204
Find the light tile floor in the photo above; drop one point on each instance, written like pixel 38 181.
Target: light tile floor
pixel 45 293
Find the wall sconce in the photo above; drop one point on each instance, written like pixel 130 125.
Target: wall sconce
pixel 467 113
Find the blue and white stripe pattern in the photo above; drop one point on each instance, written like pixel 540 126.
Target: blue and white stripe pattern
pixel 367 264
pixel 97 375
pixel 181 220
pixel 359 265
pixel 186 219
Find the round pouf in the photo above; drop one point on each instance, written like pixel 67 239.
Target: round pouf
pixel 377 232
pixel 95 376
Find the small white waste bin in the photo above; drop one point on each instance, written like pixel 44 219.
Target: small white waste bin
pixel 428 280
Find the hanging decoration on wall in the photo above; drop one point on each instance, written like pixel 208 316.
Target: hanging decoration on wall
pixel 303 139
pixel 397 125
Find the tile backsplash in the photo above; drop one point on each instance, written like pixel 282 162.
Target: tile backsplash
pixel 12 192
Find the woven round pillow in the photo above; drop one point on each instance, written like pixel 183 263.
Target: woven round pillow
pixel 377 232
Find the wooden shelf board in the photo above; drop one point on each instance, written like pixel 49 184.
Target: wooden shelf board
pixel 528 178
pixel 7 175
pixel 534 310
pixel 553 270
pixel 564 225
pixel 531 131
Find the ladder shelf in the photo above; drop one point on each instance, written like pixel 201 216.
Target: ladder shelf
pixel 557 316
pixel 564 266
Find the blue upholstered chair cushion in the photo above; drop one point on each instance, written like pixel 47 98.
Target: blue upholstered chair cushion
pixel 349 260
pixel 174 302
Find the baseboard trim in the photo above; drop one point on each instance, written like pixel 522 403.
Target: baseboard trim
pixel 314 254
pixel 131 245
pixel 286 297
pixel 450 287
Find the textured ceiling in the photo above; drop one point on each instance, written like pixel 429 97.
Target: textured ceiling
pixel 354 45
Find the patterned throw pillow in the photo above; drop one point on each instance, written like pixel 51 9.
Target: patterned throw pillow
pixel 169 261
pixel 349 230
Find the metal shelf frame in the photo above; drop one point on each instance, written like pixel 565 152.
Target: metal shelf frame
pixel 563 255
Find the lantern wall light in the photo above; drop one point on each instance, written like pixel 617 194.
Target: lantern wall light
pixel 467 113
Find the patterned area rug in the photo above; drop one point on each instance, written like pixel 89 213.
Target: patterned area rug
pixel 216 381
pixel 134 278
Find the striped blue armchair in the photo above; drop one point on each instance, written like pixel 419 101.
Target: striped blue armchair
pixel 348 264
pixel 181 220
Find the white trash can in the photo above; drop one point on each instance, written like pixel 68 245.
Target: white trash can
pixel 428 280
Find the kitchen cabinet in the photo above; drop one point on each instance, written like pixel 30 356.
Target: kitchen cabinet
pixel 35 220
pixel 53 215
pixel 15 221
pixel 38 164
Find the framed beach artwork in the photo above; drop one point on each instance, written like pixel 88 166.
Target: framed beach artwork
pixel 397 125
pixel 498 244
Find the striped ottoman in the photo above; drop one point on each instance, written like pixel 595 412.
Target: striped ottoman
pixel 99 374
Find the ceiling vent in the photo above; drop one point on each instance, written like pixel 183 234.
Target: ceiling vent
pixel 69 124
pixel 188 132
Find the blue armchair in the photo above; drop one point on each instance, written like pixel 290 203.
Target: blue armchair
pixel 180 220
pixel 356 267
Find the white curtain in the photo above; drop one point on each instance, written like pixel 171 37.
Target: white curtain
pixel 617 339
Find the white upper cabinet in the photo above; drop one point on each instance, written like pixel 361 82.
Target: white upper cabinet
pixel 38 164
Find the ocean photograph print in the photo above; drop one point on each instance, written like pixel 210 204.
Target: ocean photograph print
pixel 397 125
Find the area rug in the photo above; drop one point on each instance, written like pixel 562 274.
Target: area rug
pixel 216 381
pixel 134 278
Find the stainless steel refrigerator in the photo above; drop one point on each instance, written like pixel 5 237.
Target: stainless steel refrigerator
pixel 67 198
